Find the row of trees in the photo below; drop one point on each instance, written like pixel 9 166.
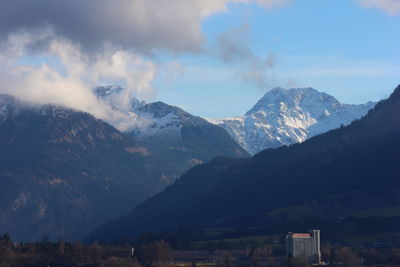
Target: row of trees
pixel 46 253
pixel 352 257
pixel 62 253
pixel 348 257
pixel 159 253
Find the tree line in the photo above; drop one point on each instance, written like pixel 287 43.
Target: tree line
pixel 159 253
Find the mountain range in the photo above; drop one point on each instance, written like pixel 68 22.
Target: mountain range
pixel 64 172
pixel 288 116
pixel 347 175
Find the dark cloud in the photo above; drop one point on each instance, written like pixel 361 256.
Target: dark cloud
pixel 139 24
pixel 143 25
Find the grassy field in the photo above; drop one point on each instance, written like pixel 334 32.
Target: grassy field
pixel 381 212
pixel 369 239
pixel 275 241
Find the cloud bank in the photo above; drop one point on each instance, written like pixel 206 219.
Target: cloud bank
pixel 129 24
pixel 392 7
pixel 70 82
pixel 56 51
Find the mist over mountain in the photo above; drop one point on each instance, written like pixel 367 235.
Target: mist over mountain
pixel 288 116
pixel 343 173
pixel 64 172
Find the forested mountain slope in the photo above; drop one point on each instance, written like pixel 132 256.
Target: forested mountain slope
pixel 339 173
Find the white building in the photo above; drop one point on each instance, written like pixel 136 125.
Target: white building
pixel 304 246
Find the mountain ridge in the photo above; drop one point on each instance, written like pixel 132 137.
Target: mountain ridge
pixel 287 116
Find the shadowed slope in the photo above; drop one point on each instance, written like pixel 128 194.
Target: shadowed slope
pixel 362 157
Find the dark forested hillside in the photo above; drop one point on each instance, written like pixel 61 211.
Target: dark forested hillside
pixel 63 172
pixel 351 171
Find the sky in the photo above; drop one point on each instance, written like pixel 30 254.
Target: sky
pixel 213 58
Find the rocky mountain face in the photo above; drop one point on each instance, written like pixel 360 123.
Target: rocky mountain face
pixel 284 117
pixel 350 173
pixel 64 172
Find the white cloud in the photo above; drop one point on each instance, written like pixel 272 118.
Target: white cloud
pixel 392 7
pixel 70 82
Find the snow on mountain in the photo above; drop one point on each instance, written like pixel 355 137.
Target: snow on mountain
pixel 11 106
pixel 287 116
pixel 140 118
pixel 280 117
pixel 151 119
pixel 107 90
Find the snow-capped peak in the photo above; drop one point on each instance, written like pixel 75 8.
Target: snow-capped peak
pixel 294 98
pixel 118 98
pixel 286 116
pixel 145 119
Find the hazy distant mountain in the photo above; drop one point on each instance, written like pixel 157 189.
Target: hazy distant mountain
pixel 64 172
pixel 345 173
pixel 284 117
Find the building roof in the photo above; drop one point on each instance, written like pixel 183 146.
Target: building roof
pixel 300 235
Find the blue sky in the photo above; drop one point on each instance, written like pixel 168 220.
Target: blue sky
pixel 334 46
